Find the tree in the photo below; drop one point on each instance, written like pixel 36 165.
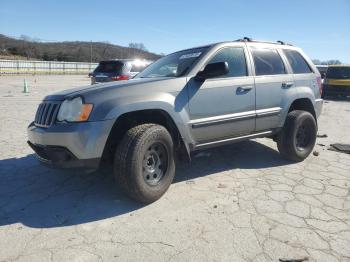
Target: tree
pixel 333 62
pixel 328 62
pixel 46 57
pixel 139 46
pixel 76 51
pixel 13 50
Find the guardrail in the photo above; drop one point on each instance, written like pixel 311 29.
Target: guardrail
pixel 8 67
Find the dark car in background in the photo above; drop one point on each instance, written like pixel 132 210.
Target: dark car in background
pixel 116 70
pixel 337 81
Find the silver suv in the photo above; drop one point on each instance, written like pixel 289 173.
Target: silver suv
pixel 186 101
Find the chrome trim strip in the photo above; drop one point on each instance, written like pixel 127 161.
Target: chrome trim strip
pixel 222 119
pixel 215 120
pixel 268 112
pixel 212 118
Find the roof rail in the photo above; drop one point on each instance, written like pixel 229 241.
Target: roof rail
pixel 248 39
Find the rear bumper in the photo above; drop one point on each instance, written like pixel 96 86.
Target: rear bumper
pixel 70 145
pixel 99 80
pixel 318 107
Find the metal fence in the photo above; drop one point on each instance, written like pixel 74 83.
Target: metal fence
pixel 44 67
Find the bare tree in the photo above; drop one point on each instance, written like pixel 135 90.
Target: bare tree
pixel 71 51
pixel 139 46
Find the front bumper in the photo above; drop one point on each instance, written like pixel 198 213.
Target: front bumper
pixel 60 157
pixel 70 145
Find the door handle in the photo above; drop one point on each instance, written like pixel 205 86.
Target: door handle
pixel 243 89
pixel 287 84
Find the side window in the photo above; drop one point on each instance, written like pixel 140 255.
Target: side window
pixel 268 62
pixel 297 62
pixel 235 58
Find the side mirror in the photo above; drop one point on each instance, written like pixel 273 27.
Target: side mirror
pixel 213 70
pixel 323 75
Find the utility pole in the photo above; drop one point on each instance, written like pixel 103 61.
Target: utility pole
pixel 90 51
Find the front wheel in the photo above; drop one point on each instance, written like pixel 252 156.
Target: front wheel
pixel 298 136
pixel 144 163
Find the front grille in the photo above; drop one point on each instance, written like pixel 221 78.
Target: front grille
pixel 46 114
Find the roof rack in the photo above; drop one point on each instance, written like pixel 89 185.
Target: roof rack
pixel 248 39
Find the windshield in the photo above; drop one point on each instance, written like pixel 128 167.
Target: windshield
pixel 109 67
pixel 341 72
pixel 173 65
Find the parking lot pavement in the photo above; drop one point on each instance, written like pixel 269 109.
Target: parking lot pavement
pixel 236 203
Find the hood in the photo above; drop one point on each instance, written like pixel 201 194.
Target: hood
pixel 85 90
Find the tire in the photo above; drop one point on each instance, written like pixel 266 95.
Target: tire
pixel 298 136
pixel 144 164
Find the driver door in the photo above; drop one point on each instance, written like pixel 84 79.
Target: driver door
pixel 224 106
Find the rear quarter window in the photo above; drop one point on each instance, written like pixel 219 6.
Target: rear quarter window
pixel 297 62
pixel 267 62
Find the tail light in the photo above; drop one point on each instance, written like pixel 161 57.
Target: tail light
pixel 319 83
pixel 121 77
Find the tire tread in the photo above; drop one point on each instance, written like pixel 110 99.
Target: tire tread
pixel 285 142
pixel 126 159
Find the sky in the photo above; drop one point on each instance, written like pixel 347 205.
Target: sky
pixel 320 27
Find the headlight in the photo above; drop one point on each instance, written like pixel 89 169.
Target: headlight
pixel 74 110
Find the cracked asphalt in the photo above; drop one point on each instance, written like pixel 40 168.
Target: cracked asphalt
pixel 236 203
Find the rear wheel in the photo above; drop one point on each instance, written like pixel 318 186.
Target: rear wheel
pixel 144 163
pixel 298 136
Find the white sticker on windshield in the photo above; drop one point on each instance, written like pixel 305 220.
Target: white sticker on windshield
pixel 191 55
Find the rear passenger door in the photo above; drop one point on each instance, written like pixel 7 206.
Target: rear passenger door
pixel 273 84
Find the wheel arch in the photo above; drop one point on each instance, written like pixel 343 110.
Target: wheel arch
pixel 304 104
pixel 130 119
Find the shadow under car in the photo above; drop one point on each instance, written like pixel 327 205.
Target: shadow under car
pixel 39 197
